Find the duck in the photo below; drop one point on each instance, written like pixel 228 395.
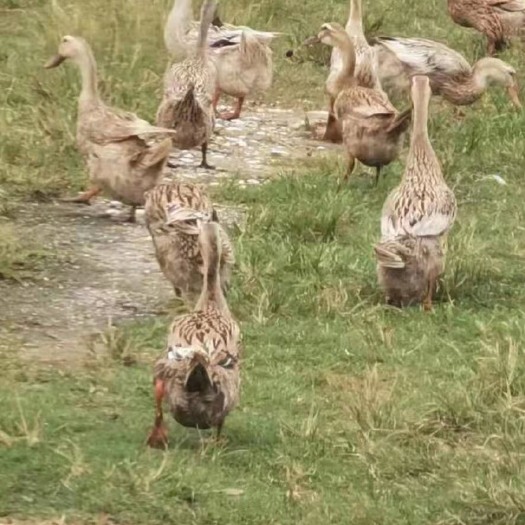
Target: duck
pixel 189 87
pixel 416 217
pixel 365 68
pixel 242 56
pixel 124 154
pixel 198 374
pixel 174 212
pixel 498 20
pixel 449 73
pixel 372 127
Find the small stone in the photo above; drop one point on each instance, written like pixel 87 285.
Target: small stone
pixel 277 152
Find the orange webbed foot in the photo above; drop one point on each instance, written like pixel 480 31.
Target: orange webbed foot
pixel 229 116
pixel 158 437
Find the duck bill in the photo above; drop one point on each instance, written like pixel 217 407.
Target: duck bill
pixel 514 94
pixel 311 41
pixel 54 61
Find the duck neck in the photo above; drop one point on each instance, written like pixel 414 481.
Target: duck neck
pixel 469 88
pixel 346 75
pixel 88 72
pixel 177 24
pixel 355 20
pixel 420 119
pixel 211 293
pixel 422 163
pixel 479 80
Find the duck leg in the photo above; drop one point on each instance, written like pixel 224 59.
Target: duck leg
pixel 350 168
pixel 215 100
pixel 333 131
pixel 459 113
pixel 85 197
pixel 378 174
pixel 159 435
pixel 427 301
pixel 236 113
pixel 204 164
pixel 491 48
pixel 219 430
pixel 132 215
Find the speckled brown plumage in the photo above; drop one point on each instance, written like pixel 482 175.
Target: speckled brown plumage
pixel 421 207
pixel 498 20
pixel 198 376
pixel 406 266
pixel 189 87
pixel 176 242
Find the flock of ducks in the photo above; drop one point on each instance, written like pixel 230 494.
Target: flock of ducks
pixel 198 375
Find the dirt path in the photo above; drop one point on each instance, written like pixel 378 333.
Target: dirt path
pixel 107 269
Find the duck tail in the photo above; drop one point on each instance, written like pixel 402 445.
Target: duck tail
pixel 401 122
pixel 391 254
pixel 152 155
pixel 157 153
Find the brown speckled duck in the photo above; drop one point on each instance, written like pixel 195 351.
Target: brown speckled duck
pixel 199 374
pixel 416 218
pixel 189 87
pixel 174 214
pixel 498 20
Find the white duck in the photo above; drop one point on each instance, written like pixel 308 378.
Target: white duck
pixel 241 55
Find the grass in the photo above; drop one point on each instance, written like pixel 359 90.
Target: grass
pixel 351 412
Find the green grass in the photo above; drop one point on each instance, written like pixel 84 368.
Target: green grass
pixel 351 412
pixel 349 408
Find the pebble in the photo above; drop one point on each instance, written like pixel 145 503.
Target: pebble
pixel 275 152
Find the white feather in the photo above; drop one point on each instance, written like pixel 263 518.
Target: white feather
pixel 423 57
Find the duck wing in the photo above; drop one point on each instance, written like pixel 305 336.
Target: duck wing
pixel 425 57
